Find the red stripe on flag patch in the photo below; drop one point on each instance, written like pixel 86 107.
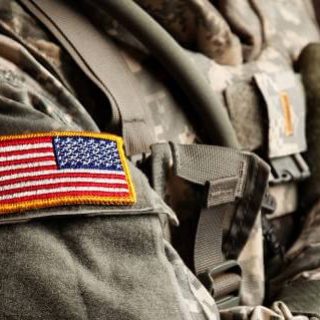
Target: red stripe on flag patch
pixel 12 141
pixel 63 168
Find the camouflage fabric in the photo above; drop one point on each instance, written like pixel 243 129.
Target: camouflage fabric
pixel 163 99
pixel 280 50
pixel 277 53
pixel 308 66
pixel 247 21
pixel 251 262
pixel 196 296
pixel 21 27
pixel 39 79
pixel 275 56
pixel 285 99
pixel 297 282
pixel 161 94
pixel 198 25
pixel 103 272
pixel 302 258
pixel 20 74
pixel 279 311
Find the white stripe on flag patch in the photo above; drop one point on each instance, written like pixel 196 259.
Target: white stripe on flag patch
pixel 25 147
pixel 27 165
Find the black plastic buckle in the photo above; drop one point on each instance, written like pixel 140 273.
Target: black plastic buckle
pixel 230 298
pixel 290 168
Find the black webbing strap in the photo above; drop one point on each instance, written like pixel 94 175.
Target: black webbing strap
pixel 101 61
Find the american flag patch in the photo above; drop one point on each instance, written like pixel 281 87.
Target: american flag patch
pixel 63 168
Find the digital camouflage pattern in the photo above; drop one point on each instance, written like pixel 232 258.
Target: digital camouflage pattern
pixel 34 98
pixel 161 94
pixel 197 25
pixel 38 76
pixel 302 260
pixel 195 295
pixel 310 76
pixel 251 260
pixel 278 51
pixel 275 55
pixel 279 311
pixel 29 82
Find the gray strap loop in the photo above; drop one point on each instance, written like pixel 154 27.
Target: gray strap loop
pixel 102 63
pixel 237 182
pixel 208 242
pixel 236 179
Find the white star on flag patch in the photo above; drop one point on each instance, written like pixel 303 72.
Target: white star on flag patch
pixel 63 168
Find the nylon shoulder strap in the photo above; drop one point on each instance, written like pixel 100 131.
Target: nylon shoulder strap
pixel 101 60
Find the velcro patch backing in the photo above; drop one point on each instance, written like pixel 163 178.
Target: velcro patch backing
pixel 63 168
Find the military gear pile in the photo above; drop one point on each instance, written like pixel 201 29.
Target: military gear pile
pixel 217 105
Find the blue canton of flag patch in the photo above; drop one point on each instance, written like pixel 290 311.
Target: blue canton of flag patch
pixel 87 153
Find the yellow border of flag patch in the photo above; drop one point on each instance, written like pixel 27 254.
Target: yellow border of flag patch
pixel 74 200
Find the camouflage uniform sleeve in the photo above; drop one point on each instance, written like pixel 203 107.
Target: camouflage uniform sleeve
pixel 24 100
pixel 33 87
